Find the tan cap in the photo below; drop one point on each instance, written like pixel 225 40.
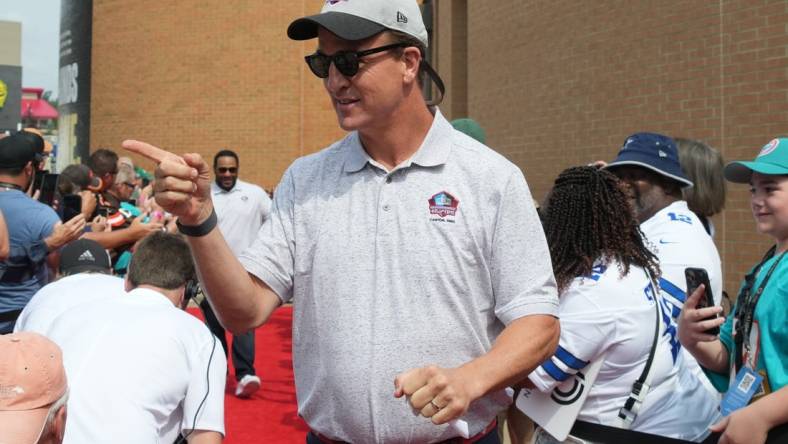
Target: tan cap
pixel 32 378
pixel 47 144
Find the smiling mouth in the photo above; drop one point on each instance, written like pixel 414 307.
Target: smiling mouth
pixel 346 101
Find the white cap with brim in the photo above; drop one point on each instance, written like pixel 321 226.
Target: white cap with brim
pixel 361 19
pixel 772 160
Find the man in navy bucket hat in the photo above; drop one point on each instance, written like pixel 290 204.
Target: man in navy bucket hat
pixel 648 166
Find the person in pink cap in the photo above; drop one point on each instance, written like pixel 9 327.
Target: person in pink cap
pixel 33 390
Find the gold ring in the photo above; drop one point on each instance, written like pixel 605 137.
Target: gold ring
pixel 432 403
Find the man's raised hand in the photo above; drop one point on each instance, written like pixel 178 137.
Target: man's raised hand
pixel 182 184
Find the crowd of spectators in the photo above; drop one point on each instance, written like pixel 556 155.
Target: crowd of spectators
pixel 428 293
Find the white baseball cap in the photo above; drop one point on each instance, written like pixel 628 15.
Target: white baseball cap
pixel 361 19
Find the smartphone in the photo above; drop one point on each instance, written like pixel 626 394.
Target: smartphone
pixel 48 186
pixel 72 206
pixel 39 179
pixel 695 277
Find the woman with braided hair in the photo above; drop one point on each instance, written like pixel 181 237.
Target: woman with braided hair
pixel 611 310
pixel 591 200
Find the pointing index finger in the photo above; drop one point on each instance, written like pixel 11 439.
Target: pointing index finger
pixel 149 151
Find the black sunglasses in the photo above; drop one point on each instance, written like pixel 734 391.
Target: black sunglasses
pixel 231 170
pixel 345 61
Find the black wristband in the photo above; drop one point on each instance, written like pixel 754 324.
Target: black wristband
pixel 199 230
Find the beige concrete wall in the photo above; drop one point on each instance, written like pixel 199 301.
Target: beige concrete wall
pixel 10 43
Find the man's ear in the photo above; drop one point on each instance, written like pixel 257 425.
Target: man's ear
pixel 412 58
pixel 182 298
pixel 60 423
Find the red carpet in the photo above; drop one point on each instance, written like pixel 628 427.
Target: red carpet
pixel 270 415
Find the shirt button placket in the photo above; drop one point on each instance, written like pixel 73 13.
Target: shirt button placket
pixel 384 197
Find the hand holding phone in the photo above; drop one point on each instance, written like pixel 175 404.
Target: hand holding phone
pixel 72 206
pixel 695 277
pixel 48 186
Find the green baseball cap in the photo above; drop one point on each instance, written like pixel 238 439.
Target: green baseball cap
pixel 771 160
pixel 471 128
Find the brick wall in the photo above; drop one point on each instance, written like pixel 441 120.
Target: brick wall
pixel 554 83
pixel 201 77
pixel 564 82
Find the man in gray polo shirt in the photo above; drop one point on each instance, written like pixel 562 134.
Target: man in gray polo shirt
pixel 413 254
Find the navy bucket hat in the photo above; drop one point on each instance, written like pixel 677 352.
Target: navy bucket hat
pixel 654 151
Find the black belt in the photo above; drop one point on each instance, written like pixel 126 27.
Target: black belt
pixel 491 428
pixel 10 316
pixel 614 435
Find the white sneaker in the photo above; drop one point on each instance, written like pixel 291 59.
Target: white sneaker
pixel 247 385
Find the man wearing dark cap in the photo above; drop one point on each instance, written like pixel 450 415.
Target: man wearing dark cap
pixel 33 228
pixel 648 165
pixel 85 276
pixel 41 146
pixel 419 272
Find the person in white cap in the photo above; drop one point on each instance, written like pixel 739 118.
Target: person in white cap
pixel 414 256
pixel 33 390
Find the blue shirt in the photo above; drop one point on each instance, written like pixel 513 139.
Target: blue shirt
pixel 28 221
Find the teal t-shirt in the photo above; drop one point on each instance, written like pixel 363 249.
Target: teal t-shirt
pixel 771 315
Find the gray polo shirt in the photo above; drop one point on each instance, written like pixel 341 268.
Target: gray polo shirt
pixel 390 271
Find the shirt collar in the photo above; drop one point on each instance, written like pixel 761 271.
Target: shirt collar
pixel 150 296
pixel 216 189
pixel 657 218
pixel 434 149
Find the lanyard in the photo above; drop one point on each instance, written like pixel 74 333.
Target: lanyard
pixel 745 312
pixel 10 186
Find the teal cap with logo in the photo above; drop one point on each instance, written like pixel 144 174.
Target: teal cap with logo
pixel 771 160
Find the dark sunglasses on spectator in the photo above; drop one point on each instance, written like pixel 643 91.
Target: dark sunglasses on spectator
pixel 129 184
pixel 345 61
pixel 223 170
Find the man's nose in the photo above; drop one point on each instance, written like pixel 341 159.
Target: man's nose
pixel 335 80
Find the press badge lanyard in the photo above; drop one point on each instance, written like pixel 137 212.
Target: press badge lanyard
pixel 745 312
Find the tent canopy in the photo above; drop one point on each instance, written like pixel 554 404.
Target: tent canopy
pixel 34 107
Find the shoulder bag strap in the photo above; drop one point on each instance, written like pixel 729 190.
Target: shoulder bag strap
pixel 640 388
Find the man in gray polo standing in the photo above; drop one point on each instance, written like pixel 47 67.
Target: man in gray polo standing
pixel 419 272
pixel 242 208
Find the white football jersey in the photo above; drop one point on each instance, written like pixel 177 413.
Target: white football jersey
pixel 607 314
pixel 677 237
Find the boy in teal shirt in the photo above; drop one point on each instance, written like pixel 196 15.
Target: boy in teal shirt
pixel 755 335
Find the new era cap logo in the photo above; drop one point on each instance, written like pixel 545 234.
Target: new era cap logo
pixel 86 256
pixel 401 18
